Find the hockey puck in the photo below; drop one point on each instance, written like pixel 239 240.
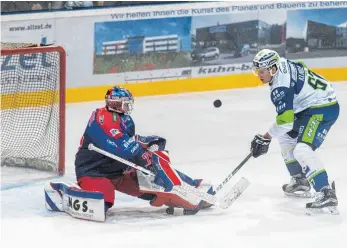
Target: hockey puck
pixel 217 103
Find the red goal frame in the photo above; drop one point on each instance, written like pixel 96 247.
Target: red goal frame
pixel 62 90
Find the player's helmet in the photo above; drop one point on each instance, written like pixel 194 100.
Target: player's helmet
pixel 265 58
pixel 119 100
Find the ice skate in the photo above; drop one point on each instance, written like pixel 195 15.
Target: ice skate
pixel 298 187
pixel 326 201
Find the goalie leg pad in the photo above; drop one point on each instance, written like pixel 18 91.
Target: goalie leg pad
pixel 166 176
pixel 76 202
pixel 207 187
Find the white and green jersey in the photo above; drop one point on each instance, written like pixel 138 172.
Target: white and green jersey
pixel 295 88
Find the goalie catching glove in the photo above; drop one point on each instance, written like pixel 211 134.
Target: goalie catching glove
pixel 260 145
pixel 152 143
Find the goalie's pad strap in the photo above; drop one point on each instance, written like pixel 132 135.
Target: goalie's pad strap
pixel 50 204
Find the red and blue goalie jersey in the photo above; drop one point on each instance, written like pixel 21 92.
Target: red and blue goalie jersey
pixel 114 133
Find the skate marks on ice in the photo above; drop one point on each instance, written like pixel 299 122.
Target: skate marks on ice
pixel 132 215
pixel 262 204
pixel 278 213
pixel 139 216
pixel 144 215
pixel 274 212
pixel 136 213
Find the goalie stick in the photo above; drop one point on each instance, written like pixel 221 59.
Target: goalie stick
pixel 184 187
pixel 227 179
pixel 230 197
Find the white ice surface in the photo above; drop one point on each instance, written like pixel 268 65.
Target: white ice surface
pixel 203 142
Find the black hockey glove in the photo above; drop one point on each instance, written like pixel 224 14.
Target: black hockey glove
pixel 260 145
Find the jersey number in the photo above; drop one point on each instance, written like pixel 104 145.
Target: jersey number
pixel 316 82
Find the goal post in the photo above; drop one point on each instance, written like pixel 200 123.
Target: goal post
pixel 33 81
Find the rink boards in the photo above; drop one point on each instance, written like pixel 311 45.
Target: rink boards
pixel 189 85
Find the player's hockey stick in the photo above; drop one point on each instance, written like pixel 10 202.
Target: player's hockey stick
pixel 183 187
pixel 232 195
pixel 227 179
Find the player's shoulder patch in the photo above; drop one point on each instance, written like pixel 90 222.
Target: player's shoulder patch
pixel 106 119
pixel 100 115
pixel 101 119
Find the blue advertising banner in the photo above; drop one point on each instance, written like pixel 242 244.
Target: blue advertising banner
pixel 218 36
pixel 185 41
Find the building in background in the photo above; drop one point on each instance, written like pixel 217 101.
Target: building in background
pixel 277 34
pixel 230 36
pixel 294 45
pixel 114 47
pixel 320 35
pixel 166 43
pixel 341 32
pixel 142 44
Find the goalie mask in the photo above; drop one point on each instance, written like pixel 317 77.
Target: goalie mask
pixel 119 100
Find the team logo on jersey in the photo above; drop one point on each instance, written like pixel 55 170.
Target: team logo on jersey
pixel 114 132
pixel 101 119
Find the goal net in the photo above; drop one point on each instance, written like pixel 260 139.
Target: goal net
pixel 33 107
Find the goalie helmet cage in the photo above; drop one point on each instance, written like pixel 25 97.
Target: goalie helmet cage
pixel 33 106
